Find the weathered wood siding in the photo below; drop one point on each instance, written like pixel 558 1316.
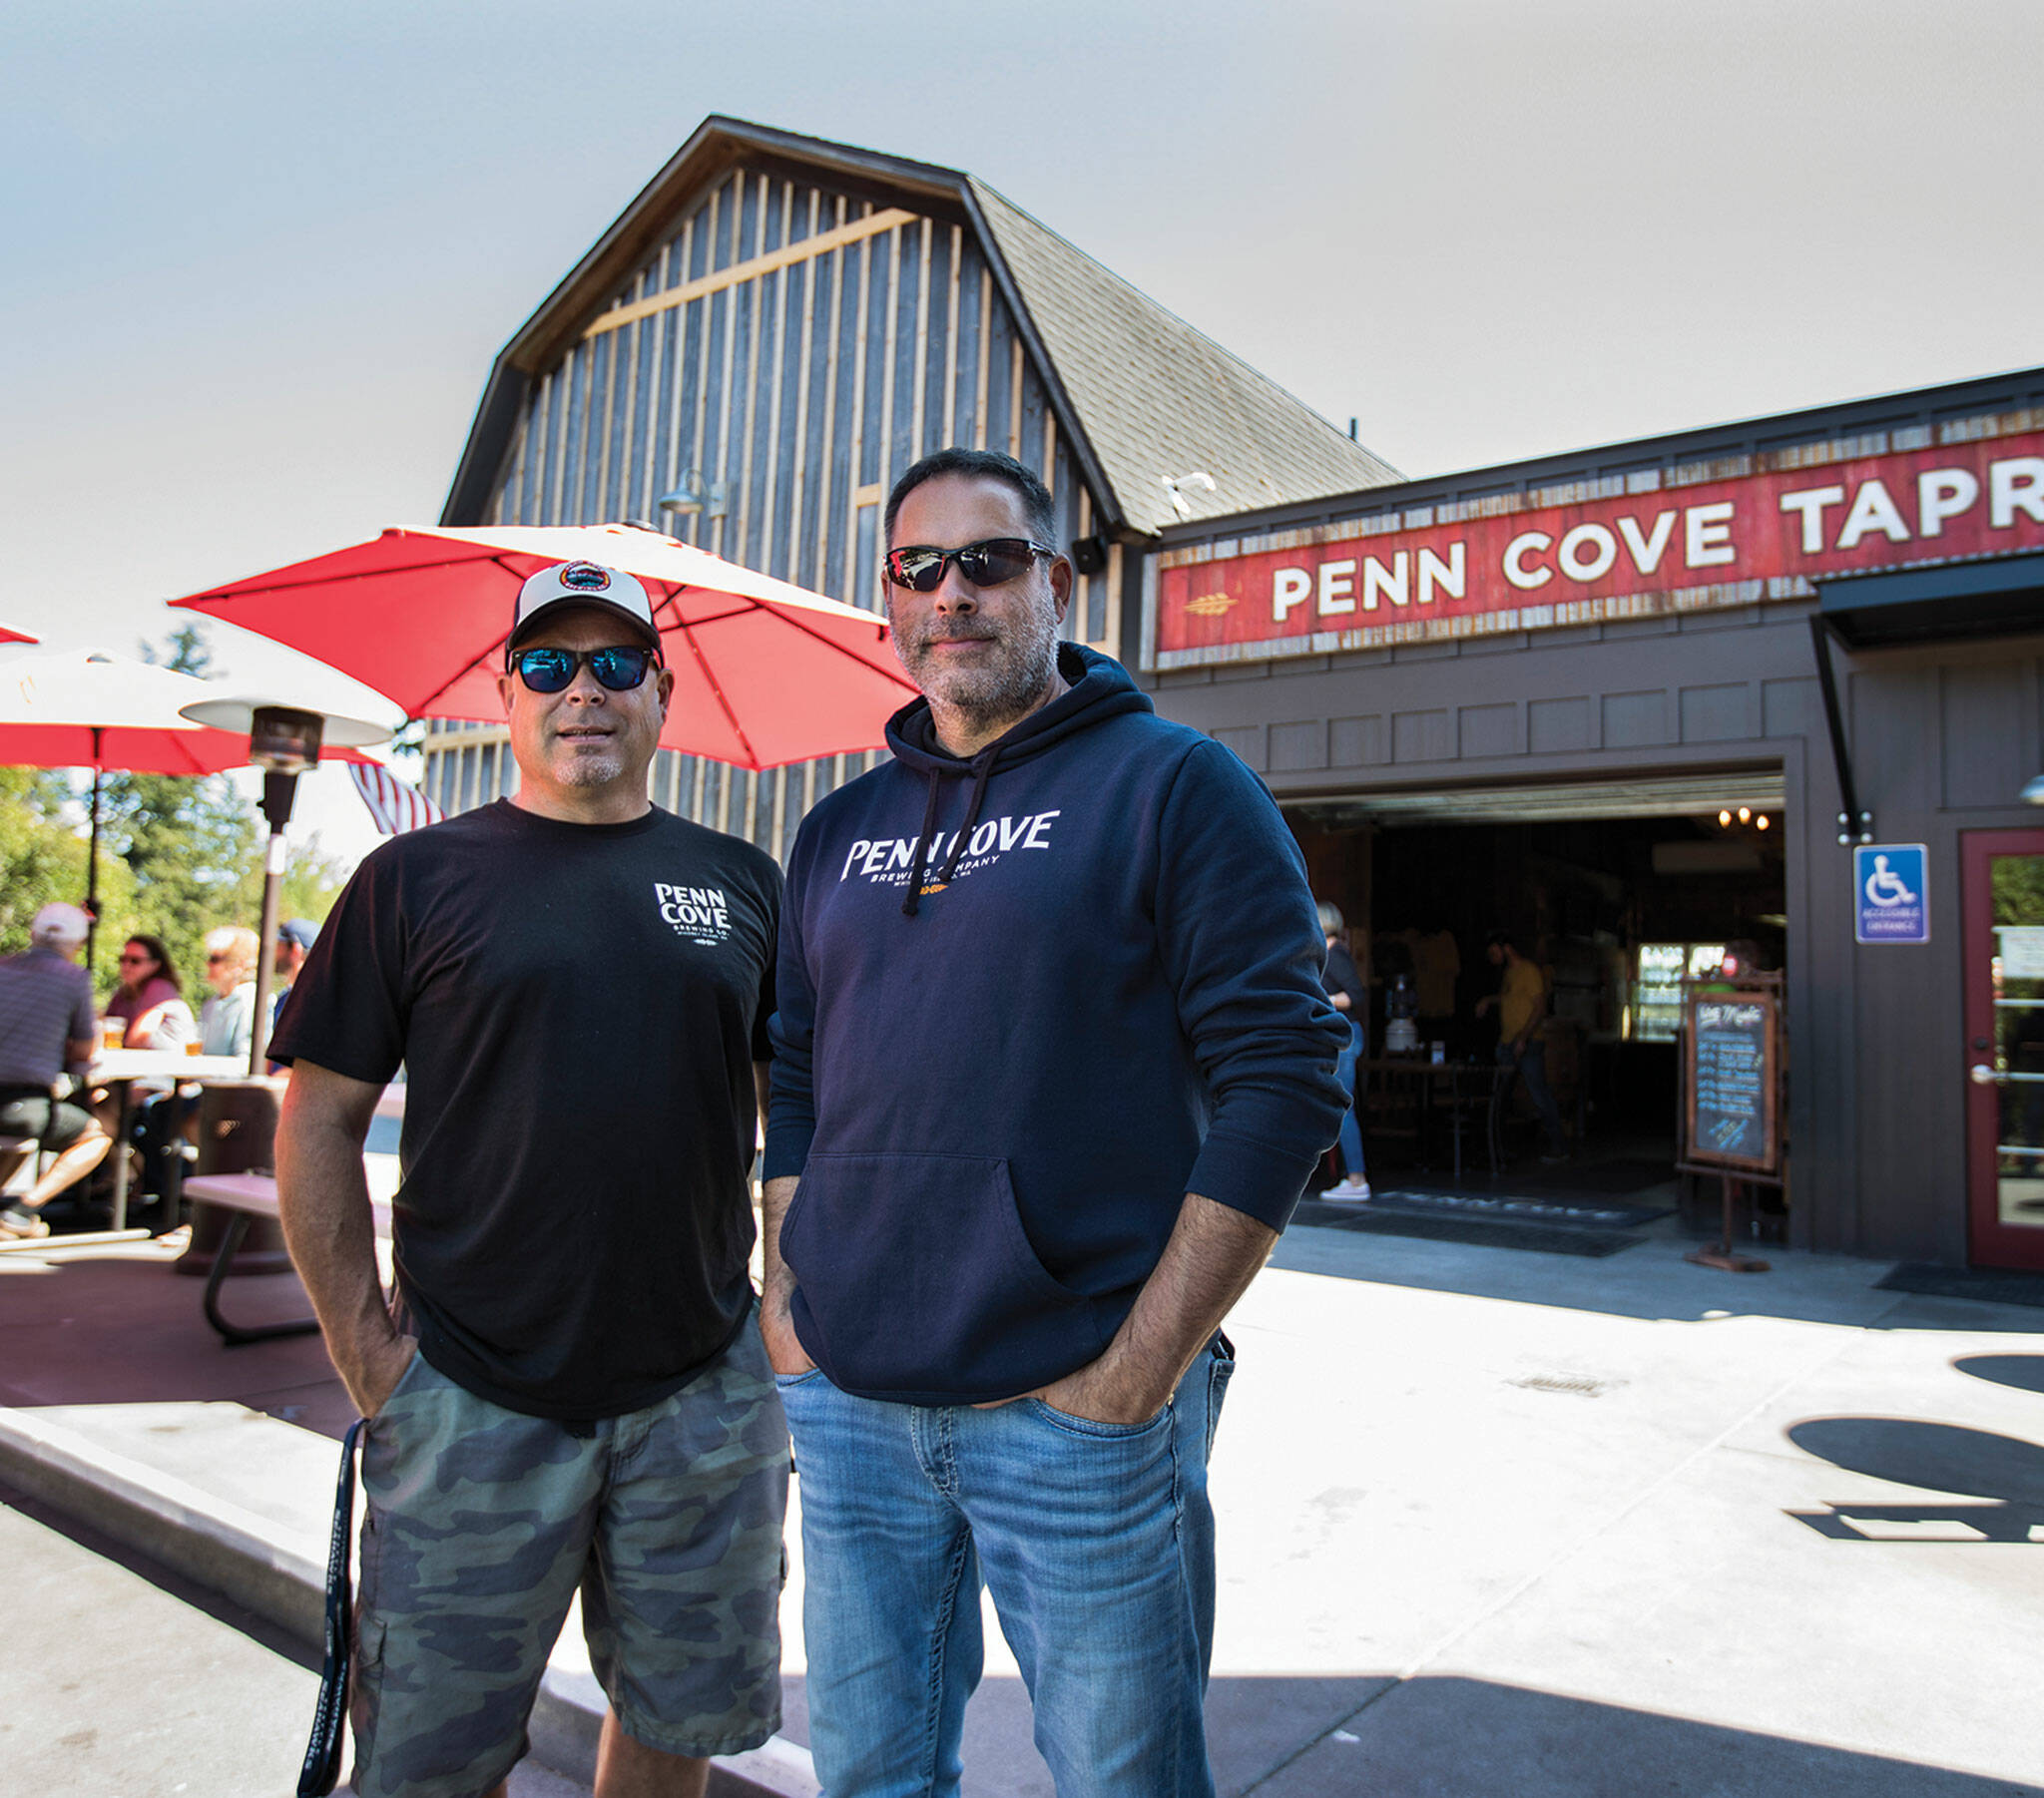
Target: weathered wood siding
pixel 796 348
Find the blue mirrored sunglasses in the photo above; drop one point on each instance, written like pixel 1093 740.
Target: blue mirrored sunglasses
pixel 620 668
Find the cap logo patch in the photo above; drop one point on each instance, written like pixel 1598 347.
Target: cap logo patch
pixel 584 577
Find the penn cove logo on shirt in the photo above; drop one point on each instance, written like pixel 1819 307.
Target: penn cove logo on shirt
pixel 584 577
pixel 890 860
pixel 699 913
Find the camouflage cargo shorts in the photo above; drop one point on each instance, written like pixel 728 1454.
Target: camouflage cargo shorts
pixel 482 1523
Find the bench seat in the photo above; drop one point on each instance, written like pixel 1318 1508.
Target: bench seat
pixel 250 1196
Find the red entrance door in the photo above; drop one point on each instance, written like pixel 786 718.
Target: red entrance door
pixel 2003 894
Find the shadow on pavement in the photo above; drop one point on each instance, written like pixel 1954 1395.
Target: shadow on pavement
pixel 2024 1372
pixel 1470 1738
pixel 1376 1736
pixel 2003 1473
pixel 1650 1281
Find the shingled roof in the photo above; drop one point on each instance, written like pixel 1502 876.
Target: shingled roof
pixel 1142 397
pixel 1159 400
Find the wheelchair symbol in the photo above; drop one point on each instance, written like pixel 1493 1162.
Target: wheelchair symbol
pixel 1884 887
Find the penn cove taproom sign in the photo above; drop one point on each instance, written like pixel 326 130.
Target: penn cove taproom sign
pixel 1734 532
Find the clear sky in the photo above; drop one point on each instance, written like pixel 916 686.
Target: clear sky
pixel 260 256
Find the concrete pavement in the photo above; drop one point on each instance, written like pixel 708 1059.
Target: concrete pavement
pixel 1491 1522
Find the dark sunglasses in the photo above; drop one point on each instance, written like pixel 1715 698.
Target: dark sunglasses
pixel 991 563
pixel 619 668
pixel 137 958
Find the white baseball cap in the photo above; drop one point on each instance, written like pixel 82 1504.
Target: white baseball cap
pixel 60 925
pixel 583 584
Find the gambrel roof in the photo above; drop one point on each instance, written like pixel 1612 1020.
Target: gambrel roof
pixel 1140 395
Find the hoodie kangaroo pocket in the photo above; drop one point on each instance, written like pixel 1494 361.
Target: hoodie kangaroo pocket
pixel 918 1279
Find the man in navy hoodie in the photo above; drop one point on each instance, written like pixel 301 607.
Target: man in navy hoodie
pixel 1053 1064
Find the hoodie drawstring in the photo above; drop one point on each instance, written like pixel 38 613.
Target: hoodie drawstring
pixel 913 897
pixel 982 771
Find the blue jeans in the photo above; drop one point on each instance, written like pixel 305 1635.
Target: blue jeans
pixel 1096 1541
pixel 1352 1132
pixel 1531 1063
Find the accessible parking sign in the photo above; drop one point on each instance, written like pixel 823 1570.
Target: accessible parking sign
pixel 1891 893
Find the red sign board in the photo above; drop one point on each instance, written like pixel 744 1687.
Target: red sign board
pixel 1626 548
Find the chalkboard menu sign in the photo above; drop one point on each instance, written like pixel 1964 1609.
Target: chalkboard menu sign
pixel 1730 1065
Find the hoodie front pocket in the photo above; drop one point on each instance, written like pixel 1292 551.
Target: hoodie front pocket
pixel 918 1278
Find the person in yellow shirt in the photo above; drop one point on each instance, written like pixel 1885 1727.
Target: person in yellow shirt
pixel 1521 1003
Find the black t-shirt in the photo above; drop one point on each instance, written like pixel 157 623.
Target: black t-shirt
pixel 577 1008
pixel 1342 975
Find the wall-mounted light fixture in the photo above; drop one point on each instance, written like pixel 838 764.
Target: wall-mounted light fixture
pixel 693 494
pixel 1089 555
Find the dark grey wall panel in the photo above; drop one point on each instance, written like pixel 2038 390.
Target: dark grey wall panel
pixel 1988 718
pixel 1485 730
pixel 1422 735
pixel 1554 726
pixel 1635 720
pixel 1791 707
pixel 1720 713
pixel 1299 746
pixel 1356 742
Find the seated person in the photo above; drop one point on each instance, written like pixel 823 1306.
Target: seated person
pixel 226 1020
pixel 47 1023
pixel 150 999
pixel 150 1003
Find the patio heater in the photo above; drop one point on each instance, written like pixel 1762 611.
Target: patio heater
pixel 284 743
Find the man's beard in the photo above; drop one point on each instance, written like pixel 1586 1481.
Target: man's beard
pixel 582 769
pixel 999 690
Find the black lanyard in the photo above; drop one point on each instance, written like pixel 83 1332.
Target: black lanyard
pixel 322 1752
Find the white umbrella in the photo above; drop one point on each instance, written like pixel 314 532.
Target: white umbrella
pixel 91 708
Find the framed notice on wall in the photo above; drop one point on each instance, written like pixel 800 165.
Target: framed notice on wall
pixel 1731 1080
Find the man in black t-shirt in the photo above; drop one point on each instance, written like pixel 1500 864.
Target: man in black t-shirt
pixel 572 1390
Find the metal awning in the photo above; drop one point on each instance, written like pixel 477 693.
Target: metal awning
pixel 1923 604
pixel 1649 795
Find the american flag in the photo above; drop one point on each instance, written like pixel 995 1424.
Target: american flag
pixel 393 803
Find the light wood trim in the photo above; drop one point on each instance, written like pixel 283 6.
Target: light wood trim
pixel 771 491
pixel 956 282
pixel 846 588
pixel 752 299
pixel 670 467
pixel 871 494
pixel 719 527
pixel 839 273
pixel 1082 588
pixel 1015 396
pixel 889 344
pixel 982 373
pixel 922 340
pixel 867 226
pixel 800 478
pixel 693 520
pixel 1112 623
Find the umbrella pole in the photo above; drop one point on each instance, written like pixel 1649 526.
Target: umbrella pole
pixel 92 860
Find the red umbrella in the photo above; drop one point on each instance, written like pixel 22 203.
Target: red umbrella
pixel 765 672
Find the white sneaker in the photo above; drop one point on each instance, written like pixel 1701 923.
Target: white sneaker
pixel 1352 1190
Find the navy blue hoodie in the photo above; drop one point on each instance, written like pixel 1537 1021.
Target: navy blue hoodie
pixel 1026 1004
